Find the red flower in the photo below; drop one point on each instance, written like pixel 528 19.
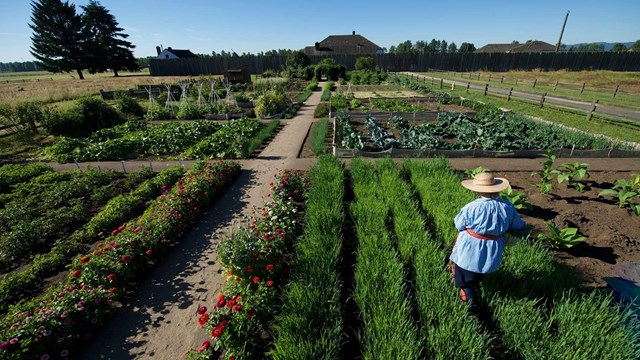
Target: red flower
pixel 111 277
pixel 236 307
pixel 230 303
pixel 114 232
pixel 203 319
pixel 256 279
pixel 121 228
pixel 126 258
pixel 251 312
pixel 113 290
pixel 76 273
pixel 249 268
pixel 221 303
pixel 205 345
pixel 149 252
pixel 270 267
pixel 269 283
pixel 216 332
pixel 220 297
pixel 85 259
pixel 202 310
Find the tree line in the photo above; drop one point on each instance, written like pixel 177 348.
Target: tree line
pixel 65 41
pixel 434 46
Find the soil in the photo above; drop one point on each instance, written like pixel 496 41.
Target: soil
pixel 612 248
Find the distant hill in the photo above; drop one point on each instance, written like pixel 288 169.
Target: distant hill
pixel 607 45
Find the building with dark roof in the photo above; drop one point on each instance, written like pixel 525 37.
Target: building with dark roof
pixel 170 53
pixel 530 47
pixel 344 45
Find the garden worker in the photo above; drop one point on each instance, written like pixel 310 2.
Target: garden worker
pixel 480 242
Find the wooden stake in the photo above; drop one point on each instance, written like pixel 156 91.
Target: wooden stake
pixel 486 88
pixel 542 99
pixel 594 104
pixel 555 86
pixel 615 92
pixel 582 88
pixel 534 83
pixel 509 96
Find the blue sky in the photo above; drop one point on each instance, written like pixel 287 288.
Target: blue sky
pixel 254 26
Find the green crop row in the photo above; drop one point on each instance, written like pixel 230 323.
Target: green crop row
pixel 450 333
pixel 260 137
pixel 326 92
pixel 20 285
pixel 131 140
pixel 12 174
pixel 320 133
pixel 230 142
pixel 310 326
pixel 307 91
pixel 388 331
pixel 539 310
pixel 51 206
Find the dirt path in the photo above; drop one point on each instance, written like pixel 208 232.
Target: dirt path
pixel 158 321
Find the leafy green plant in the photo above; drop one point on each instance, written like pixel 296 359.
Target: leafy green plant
pixel 471 173
pixel 271 103
pixel 561 238
pixel 546 175
pixel 518 199
pixel 573 174
pixel 319 134
pixel 322 110
pixel 625 192
pixel 128 105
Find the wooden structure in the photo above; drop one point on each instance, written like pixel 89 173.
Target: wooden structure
pixel 239 75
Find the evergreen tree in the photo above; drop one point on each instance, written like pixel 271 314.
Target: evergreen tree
pixel 443 46
pixel 452 48
pixel 58 37
pixel 107 48
pixel 467 47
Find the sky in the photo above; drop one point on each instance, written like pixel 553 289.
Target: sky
pixel 203 26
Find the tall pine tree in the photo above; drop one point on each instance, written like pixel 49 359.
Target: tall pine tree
pixel 106 48
pixel 58 37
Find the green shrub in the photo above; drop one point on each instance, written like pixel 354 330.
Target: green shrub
pixel 271 103
pixel 188 111
pixel 128 105
pixel 157 112
pixel 322 110
pixel 86 116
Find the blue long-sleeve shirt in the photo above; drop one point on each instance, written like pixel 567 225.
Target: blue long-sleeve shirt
pixel 486 217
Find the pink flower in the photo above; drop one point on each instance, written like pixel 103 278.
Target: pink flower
pixel 44 357
pixel 202 310
pixel 149 252
pixel 64 353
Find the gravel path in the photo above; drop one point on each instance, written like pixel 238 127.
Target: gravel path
pixel 159 321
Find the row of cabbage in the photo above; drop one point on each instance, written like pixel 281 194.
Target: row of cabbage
pixel 490 129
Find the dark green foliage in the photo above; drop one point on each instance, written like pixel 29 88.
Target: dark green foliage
pixel 86 116
pixel 296 64
pixel 329 69
pixel 260 137
pixel 106 48
pixel 365 63
pixel 322 110
pixel 58 36
pixel 367 77
pixel 128 105
pixel 22 118
pixel 11 174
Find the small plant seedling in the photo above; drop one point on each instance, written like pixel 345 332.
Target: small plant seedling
pixel 625 192
pixel 471 173
pixel 546 175
pixel 561 238
pixel 573 174
pixel 518 199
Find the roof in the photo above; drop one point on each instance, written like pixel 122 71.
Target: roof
pixel 530 47
pixel 344 44
pixel 182 53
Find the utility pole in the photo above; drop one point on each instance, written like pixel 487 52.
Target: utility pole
pixel 562 31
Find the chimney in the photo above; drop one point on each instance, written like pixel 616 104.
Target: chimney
pixel 317 46
pixel 353 33
pixel 158 50
pixel 169 48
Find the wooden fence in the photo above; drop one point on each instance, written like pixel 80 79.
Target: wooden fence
pixel 574 61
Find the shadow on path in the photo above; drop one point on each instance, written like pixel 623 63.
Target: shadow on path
pixel 166 287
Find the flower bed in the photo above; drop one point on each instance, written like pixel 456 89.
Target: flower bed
pixel 22 285
pixel 257 258
pixel 56 323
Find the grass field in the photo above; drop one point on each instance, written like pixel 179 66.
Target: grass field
pixel 598 84
pixel 48 87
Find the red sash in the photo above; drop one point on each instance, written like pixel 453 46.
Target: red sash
pixel 482 237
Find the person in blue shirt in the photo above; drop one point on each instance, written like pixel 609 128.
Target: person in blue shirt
pixel 480 242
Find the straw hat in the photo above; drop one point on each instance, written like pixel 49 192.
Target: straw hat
pixel 486 183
